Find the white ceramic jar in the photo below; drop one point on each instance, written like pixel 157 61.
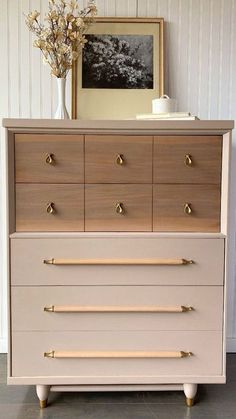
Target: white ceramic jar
pixel 164 105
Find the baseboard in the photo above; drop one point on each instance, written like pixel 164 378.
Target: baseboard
pixel 3 345
pixel 231 345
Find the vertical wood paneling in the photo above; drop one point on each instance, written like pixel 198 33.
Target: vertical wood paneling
pixel 35 71
pixel 25 104
pixel 213 91
pixel 204 58
pixel 110 7
pixel 13 42
pixel 193 57
pixel 183 54
pixel 173 57
pixel 200 69
pixel 126 8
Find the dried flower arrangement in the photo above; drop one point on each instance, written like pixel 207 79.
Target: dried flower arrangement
pixel 62 39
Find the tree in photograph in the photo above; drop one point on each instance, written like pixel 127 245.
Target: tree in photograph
pixel 112 62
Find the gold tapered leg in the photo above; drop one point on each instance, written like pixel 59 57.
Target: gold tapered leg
pixel 189 402
pixel 43 404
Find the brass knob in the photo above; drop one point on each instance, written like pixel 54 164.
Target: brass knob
pixel 119 208
pixel 120 159
pixel 49 158
pixel 51 208
pixel 187 209
pixel 188 160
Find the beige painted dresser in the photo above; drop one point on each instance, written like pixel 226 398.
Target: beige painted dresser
pixel 117 254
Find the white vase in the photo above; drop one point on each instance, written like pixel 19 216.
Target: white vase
pixel 61 112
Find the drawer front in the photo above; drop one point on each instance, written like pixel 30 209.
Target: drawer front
pixel 29 254
pixel 185 159
pixel 186 208
pixel 116 308
pixel 49 158
pixel 118 159
pixel 105 349
pixel 118 207
pixel 49 207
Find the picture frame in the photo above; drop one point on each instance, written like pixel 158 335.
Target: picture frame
pixel 120 70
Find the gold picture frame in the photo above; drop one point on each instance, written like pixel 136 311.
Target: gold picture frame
pixel 123 102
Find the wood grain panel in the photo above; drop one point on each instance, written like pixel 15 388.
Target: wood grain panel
pixel 32 201
pixel 169 159
pixel 169 202
pixel 100 207
pixel 30 155
pixel 101 159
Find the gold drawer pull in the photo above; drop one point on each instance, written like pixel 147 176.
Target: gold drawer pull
pixel 120 159
pixel 188 160
pixel 168 262
pixel 187 209
pixel 51 208
pixel 49 158
pixel 117 309
pixel 120 354
pixel 119 208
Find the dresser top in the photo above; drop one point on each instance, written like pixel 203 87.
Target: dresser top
pixel 216 126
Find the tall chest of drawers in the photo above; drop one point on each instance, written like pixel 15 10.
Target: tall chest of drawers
pixel 117 254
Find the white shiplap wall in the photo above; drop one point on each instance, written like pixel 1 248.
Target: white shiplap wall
pixel 200 50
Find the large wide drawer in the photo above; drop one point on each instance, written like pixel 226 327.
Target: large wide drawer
pixel 49 207
pixel 118 159
pixel 104 357
pixel 117 261
pixel 116 308
pixel 187 159
pixel 44 158
pixel 118 207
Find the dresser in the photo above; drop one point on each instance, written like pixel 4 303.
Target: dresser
pixel 117 254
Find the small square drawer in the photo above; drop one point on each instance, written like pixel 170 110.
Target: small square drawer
pixel 185 159
pixel 49 158
pixel 49 207
pixel 186 208
pixel 118 159
pixel 118 207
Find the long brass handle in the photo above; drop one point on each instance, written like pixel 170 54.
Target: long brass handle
pixel 160 262
pixel 49 158
pixel 119 208
pixel 187 209
pixel 51 208
pixel 117 354
pixel 188 160
pixel 120 159
pixel 117 309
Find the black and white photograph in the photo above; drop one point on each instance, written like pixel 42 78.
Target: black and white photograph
pixel 118 62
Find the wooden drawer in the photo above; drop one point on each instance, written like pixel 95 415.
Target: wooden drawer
pixel 34 165
pixel 118 159
pixel 116 308
pixel 186 208
pixel 105 363
pixel 118 207
pixel 99 258
pixel 49 207
pixel 187 159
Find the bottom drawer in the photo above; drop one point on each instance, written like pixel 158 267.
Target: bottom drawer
pixel 101 360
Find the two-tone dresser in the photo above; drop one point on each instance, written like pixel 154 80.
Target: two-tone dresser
pixel 117 254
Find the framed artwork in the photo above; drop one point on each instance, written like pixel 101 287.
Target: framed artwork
pixel 120 70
